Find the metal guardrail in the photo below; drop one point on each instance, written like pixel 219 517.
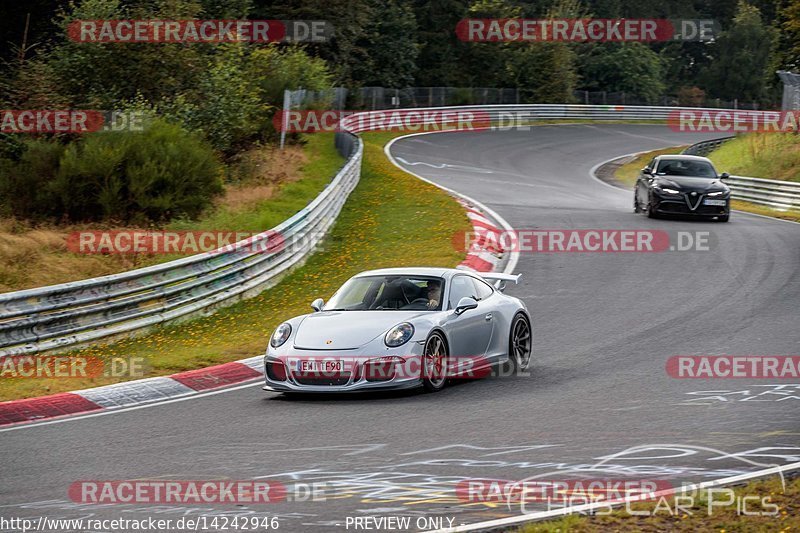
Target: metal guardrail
pixel 83 311
pixel 80 312
pixel 780 195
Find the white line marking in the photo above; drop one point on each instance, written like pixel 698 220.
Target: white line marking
pixel 554 513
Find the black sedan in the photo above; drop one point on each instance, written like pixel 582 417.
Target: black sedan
pixel 685 185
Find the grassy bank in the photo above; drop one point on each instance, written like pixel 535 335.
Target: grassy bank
pixel 270 187
pixel 627 173
pixel 774 156
pixel 390 219
pixel 722 519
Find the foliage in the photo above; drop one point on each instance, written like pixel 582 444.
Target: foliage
pixel 741 58
pixel 128 176
pixel 632 68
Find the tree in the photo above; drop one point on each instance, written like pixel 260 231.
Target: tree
pixel 391 46
pixel 740 66
pixel 632 68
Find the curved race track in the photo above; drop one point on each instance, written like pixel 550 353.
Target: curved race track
pixel 605 325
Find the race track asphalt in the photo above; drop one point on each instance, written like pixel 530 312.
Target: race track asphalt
pixel 604 324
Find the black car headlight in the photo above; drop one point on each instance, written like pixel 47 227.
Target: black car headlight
pixel 281 335
pixel 399 335
pixel 668 190
pixel 717 194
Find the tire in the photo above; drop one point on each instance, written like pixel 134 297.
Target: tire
pixel 520 342
pixel 724 218
pixel 636 208
pixel 434 376
pixel 649 210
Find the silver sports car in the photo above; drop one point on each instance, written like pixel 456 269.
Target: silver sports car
pixel 398 328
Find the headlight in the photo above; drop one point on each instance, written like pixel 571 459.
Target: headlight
pixel 280 335
pixel 669 191
pixel 717 193
pixel 399 335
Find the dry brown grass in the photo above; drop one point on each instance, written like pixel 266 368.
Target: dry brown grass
pixel 34 256
pixel 259 172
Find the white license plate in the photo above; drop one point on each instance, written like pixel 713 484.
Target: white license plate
pixel 319 366
pixel 708 201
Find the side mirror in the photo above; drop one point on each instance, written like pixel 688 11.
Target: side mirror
pixel 465 304
pixel 317 304
pixel 648 171
pixel 724 176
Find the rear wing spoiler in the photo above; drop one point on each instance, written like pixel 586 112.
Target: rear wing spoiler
pixel 500 279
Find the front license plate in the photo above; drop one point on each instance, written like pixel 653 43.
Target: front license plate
pixel 713 202
pixel 319 366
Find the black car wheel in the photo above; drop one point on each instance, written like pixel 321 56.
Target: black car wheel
pixel 636 207
pixel 434 363
pixel 520 342
pixel 723 218
pixel 651 213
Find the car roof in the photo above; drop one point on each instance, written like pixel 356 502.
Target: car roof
pixel 414 271
pixel 684 157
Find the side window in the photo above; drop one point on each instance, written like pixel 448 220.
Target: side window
pixel 460 287
pixel 482 289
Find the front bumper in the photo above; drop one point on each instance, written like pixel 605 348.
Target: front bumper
pixel 353 378
pixel 686 205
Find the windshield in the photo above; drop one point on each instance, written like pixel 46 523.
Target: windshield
pixel 388 293
pixel 683 167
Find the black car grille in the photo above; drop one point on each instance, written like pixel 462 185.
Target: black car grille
pixel 309 379
pixel 681 206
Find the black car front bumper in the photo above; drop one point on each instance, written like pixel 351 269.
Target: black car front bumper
pixel 687 204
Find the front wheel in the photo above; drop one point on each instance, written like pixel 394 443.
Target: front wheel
pixel 724 218
pixel 636 207
pixel 520 342
pixel 434 363
pixel 651 213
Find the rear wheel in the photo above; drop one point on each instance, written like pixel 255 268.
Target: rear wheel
pixel 434 363
pixel 520 342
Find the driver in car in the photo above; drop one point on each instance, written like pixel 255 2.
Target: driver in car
pixel 434 289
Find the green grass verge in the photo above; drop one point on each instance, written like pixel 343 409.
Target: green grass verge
pixel 774 156
pixel 697 518
pixel 390 219
pixel 628 172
